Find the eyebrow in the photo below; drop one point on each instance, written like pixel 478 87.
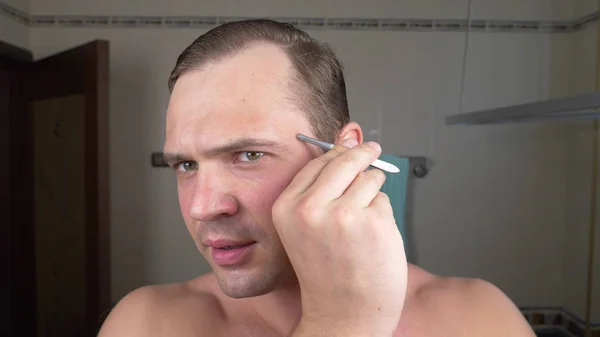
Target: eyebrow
pixel 238 145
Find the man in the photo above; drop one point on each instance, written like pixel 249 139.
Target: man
pixel 301 243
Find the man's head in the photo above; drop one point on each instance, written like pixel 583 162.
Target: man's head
pixel 240 94
pixel 317 86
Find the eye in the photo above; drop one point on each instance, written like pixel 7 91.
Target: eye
pixel 186 166
pixel 250 156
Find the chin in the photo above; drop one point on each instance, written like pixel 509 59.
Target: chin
pixel 244 293
pixel 257 281
pixel 243 286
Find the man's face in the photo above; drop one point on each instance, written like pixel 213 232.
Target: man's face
pixel 231 136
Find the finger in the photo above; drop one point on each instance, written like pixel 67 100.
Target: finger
pixel 381 204
pixel 309 173
pixel 382 207
pixel 341 171
pixel 364 188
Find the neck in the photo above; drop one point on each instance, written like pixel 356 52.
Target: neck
pixel 282 308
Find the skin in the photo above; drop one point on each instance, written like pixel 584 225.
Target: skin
pixel 231 141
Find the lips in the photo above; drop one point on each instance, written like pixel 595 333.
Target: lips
pixel 232 253
pixel 227 244
pixel 232 247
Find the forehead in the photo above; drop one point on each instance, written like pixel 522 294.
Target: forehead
pixel 242 95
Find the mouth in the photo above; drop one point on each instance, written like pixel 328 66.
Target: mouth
pixel 234 247
pixel 232 253
pixel 228 244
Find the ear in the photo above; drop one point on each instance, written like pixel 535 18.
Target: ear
pixel 350 131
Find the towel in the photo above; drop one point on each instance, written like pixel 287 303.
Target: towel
pixel 395 187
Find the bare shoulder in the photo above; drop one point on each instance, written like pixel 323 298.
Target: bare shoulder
pixel 466 306
pixel 178 309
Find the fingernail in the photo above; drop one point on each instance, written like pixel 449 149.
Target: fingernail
pixel 374 145
pixel 350 143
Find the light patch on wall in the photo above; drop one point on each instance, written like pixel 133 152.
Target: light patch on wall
pixel 394 24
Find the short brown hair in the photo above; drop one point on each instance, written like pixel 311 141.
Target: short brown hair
pixel 319 85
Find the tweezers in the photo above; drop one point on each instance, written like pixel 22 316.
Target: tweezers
pixel 380 164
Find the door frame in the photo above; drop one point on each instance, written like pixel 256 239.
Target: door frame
pixel 34 80
pixel 17 231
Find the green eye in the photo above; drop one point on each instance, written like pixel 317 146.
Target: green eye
pixel 250 156
pixel 187 166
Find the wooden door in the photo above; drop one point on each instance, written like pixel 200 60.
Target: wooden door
pixel 59 174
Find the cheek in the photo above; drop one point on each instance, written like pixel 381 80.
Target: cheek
pixel 259 196
pixel 184 196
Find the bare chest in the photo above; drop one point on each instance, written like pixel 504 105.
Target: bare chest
pixel 419 327
pixel 252 327
pixel 416 321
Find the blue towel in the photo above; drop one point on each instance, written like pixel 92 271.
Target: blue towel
pixel 395 187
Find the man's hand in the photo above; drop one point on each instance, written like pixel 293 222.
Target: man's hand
pixel 339 232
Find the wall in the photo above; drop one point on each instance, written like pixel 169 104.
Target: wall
pixel 584 7
pixel 488 9
pixel 493 205
pixel 14 31
pixel 582 147
pixel 579 177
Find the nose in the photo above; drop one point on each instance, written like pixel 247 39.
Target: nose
pixel 212 198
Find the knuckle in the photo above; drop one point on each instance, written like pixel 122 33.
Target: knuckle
pixel 346 161
pixel 370 149
pixel 343 215
pixel 372 178
pixel 306 210
pixel 325 159
pixel 356 157
pixel 315 163
pixel 339 149
pixel 372 217
pixel 377 176
pixel 380 175
pixel 382 206
pixel 278 209
pixel 382 197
